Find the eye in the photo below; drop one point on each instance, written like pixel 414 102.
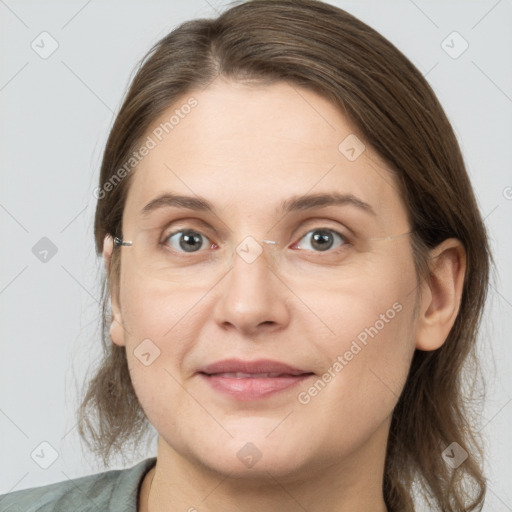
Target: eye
pixel 187 240
pixel 191 241
pixel 322 240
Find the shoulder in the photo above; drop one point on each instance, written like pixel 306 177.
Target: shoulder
pixel 112 491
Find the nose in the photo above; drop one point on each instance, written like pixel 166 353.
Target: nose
pixel 252 297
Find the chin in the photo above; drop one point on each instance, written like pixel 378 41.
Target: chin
pixel 255 456
pixel 268 466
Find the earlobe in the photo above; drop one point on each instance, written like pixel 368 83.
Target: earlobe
pixel 116 326
pixel 441 295
pixel 117 330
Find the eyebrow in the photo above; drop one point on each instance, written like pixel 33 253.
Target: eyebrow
pixel 293 204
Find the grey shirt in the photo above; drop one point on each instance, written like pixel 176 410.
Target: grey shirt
pixel 110 491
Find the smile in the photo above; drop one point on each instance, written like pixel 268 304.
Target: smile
pixel 246 386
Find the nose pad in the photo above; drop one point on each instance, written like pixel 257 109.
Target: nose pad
pixel 273 248
pixel 250 250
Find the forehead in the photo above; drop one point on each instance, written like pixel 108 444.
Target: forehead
pixel 253 146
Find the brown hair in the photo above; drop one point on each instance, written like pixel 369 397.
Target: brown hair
pixel 321 47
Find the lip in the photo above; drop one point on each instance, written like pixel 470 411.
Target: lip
pixel 243 380
pixel 257 366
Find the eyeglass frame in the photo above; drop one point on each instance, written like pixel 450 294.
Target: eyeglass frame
pixel 128 243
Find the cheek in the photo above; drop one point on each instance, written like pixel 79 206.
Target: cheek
pixel 158 336
pixel 154 309
pixel 368 358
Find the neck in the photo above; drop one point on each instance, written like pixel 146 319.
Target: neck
pixel 353 484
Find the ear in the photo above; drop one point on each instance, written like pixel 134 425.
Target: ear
pixel 441 294
pixel 116 327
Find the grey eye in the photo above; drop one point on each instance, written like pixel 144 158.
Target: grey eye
pixel 187 240
pixel 322 239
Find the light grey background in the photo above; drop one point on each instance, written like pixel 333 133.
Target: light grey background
pixel 56 113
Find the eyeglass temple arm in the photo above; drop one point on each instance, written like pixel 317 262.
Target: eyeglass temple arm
pixel 392 237
pixel 119 241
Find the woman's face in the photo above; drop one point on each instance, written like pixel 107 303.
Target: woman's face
pixel 339 309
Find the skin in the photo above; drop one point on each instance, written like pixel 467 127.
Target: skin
pixel 246 148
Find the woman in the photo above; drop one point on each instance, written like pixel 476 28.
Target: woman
pixel 296 273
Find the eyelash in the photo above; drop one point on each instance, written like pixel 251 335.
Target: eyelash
pixel 344 239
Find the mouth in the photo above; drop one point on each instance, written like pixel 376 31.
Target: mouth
pixel 251 368
pixel 242 375
pixel 246 380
